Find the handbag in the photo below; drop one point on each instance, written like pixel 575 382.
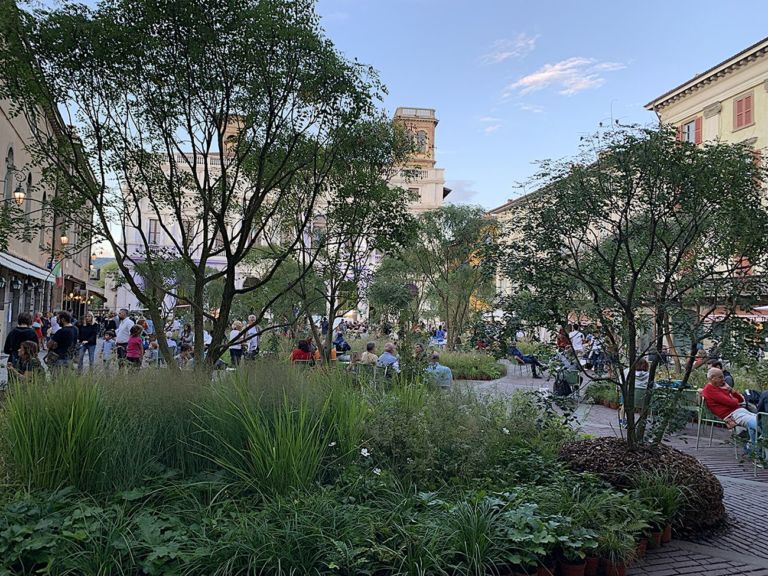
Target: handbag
pixel 730 422
pixel 51 358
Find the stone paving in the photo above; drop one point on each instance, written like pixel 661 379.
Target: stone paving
pixel 742 549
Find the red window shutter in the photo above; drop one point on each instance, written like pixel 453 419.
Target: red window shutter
pixel 679 136
pixel 739 119
pixel 697 131
pixel 747 110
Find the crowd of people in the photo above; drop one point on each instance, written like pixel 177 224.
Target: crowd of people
pixel 118 339
pixel 306 352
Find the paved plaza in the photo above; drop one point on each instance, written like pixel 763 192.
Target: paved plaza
pixel 741 548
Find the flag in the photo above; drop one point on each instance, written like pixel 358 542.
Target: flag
pixel 58 274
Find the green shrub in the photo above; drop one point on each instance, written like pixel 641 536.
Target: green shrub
pixel 472 365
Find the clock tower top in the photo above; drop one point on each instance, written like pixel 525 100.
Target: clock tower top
pixel 420 122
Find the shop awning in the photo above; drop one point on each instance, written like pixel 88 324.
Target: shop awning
pixel 25 268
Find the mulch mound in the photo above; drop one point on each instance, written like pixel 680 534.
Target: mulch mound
pixel 610 459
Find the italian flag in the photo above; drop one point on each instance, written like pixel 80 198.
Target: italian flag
pixel 58 273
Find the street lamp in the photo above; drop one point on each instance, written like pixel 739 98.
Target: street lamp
pixel 64 239
pixel 19 195
pixel 15 284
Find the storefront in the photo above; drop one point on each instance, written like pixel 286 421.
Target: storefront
pixel 24 287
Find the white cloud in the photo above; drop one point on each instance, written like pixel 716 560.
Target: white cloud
pixel 486 119
pixel 462 191
pixel 502 50
pixel 491 129
pixel 533 108
pixel 572 75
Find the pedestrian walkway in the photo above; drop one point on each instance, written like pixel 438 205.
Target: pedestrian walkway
pixel 741 549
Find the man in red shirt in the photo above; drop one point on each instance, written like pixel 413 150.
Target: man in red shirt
pixel 723 401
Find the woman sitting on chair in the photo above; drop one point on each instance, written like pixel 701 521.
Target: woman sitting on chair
pixel 530 359
pixel 301 353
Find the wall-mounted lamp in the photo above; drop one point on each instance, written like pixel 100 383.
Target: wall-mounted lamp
pixel 19 195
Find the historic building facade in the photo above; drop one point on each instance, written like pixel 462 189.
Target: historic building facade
pixel 27 276
pixel 728 102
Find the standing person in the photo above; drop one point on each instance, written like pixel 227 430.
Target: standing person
pixel 187 335
pixel 106 347
pixel 37 326
pixel 46 322
pixel 28 365
pixel 236 346
pixel 21 333
pixel 122 335
pixel 577 340
pixel 324 326
pixel 64 341
pixel 254 335
pixel 111 323
pixel 54 323
pixel 135 348
pixel 88 333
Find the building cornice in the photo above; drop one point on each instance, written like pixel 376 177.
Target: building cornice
pixel 728 66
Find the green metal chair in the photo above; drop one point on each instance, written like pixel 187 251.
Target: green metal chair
pixel 761 445
pixel 707 417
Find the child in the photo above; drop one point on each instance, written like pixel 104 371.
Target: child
pixel 135 349
pixel 106 349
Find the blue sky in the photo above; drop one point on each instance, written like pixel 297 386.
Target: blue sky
pixel 514 82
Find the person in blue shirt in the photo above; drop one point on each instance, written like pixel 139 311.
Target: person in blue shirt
pixel 530 359
pixel 440 374
pixel 388 358
pixel 340 343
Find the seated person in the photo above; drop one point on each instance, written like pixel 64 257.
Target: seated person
pixel 369 357
pixel 301 353
pixel 521 358
pixel 724 402
pixel 715 363
pixel 762 405
pixel 388 358
pixel 419 354
pixel 185 359
pixel 441 374
pixel 28 364
pixel 318 356
pixel 340 343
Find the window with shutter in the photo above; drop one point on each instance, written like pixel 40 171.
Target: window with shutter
pixel 743 114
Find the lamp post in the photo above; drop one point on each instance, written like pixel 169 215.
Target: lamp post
pixel 19 195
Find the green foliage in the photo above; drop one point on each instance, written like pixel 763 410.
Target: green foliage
pixel 599 392
pixel 472 366
pixel 634 234
pixel 277 472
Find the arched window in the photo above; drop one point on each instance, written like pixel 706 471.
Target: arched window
pixel 8 183
pixel 28 207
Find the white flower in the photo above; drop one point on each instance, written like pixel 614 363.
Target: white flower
pixel 377 471
pixel 332 444
pixel 365 452
pixel 505 430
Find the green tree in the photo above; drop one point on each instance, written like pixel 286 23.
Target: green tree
pixel 220 123
pixel 646 236
pixel 362 214
pixel 455 253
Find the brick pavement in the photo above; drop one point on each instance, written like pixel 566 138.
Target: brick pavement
pixel 741 550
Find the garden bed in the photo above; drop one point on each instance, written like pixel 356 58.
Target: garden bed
pixel 278 471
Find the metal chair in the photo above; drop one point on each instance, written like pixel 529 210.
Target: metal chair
pixel 522 368
pixel 707 417
pixel 760 456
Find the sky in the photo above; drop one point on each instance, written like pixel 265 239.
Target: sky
pixel 516 82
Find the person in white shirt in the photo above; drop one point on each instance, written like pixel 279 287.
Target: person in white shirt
pixel 577 339
pixel 122 334
pixel 254 335
pixel 236 349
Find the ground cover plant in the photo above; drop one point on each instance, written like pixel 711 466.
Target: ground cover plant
pixel 272 470
pixel 472 365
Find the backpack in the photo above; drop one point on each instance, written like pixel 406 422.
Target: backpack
pixel 752 399
pixel 561 387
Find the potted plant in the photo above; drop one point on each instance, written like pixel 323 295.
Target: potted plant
pixel 661 494
pixel 575 544
pixel 617 549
